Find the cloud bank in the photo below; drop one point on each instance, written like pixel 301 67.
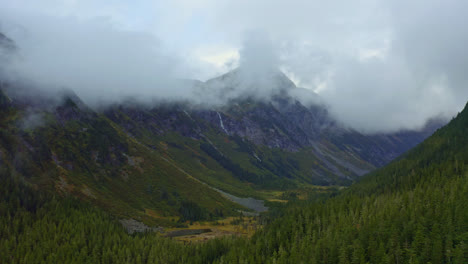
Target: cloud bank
pixel 378 65
pixel 93 57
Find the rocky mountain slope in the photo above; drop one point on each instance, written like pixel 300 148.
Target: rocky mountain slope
pixel 411 211
pixel 153 161
pixel 166 159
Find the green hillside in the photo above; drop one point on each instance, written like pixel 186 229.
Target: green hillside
pixel 74 151
pixel 150 163
pixel 411 211
pixel 153 161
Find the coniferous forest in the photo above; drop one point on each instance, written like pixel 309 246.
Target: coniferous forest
pixel 215 132
pixel 412 211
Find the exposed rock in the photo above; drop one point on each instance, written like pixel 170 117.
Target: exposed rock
pixel 133 226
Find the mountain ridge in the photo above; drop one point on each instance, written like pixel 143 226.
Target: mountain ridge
pixel 240 149
pixel 412 211
pixel 137 158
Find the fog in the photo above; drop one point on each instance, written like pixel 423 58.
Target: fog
pixel 379 66
pixel 94 58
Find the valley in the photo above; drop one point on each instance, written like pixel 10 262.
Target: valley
pixel 109 154
pixel 208 163
pixel 187 184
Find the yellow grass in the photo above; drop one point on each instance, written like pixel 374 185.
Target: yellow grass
pixel 224 227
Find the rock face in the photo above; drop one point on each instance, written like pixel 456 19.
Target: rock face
pixel 133 226
pixel 283 122
pixel 277 122
pixel 268 141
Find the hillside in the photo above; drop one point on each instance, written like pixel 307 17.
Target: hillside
pixel 173 163
pixel 168 162
pixel 411 211
pixel 148 162
pixel 73 150
pixel 136 160
pixel 218 132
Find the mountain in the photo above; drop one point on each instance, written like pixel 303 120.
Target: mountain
pixel 137 160
pixel 410 211
pixel 68 172
pixel 258 137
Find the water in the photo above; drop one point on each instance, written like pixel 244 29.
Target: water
pixel 251 203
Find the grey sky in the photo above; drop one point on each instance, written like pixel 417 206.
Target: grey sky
pixel 379 65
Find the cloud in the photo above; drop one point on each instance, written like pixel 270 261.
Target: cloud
pixel 32 120
pixel 377 95
pixel 258 53
pixel 93 57
pixel 378 65
pixel 419 74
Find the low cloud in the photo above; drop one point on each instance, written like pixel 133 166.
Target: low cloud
pixel 32 120
pixel 379 66
pixel 419 75
pixel 96 59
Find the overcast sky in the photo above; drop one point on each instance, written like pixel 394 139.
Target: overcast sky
pixel 379 65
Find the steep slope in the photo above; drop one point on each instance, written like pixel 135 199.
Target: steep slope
pixel 70 149
pixel 272 141
pixel 154 161
pixel 136 160
pixel 282 121
pixel 411 211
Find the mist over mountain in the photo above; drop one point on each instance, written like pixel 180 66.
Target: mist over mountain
pixel 261 131
pixel 375 81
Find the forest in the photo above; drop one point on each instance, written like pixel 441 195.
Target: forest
pixel 214 132
pixel 410 211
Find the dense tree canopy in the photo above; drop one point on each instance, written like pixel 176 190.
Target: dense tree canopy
pixel 412 211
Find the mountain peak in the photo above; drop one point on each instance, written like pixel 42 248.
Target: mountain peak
pixel 242 83
pixel 242 75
